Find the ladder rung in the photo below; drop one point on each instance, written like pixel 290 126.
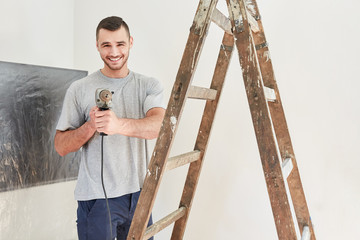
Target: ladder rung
pixel 270 94
pixel 221 20
pixel 202 93
pixel 287 167
pixel 306 233
pixel 182 159
pixel 224 23
pixel 164 222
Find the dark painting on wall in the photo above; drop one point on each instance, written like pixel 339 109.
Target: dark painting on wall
pixel 31 98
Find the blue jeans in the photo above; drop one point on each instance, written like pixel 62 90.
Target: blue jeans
pixel 93 219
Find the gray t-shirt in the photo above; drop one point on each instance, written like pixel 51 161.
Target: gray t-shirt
pixel 125 158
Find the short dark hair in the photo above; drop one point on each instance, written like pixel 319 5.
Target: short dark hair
pixel 112 23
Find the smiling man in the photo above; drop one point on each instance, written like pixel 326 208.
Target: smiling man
pixel 136 115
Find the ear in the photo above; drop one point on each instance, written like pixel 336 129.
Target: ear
pixel 97 45
pixel 131 41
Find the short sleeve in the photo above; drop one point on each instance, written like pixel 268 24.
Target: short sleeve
pixel 154 95
pixel 71 116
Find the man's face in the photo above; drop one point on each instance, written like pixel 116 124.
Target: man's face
pixel 114 47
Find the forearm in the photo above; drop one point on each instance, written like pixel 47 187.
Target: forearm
pixel 72 140
pixel 146 128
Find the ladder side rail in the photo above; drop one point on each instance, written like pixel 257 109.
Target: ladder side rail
pixel 261 121
pixel 281 128
pixel 192 179
pixel 172 116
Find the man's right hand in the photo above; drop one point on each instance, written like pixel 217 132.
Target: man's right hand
pixel 72 140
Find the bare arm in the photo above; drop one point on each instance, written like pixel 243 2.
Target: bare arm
pixel 107 122
pixel 146 128
pixel 72 140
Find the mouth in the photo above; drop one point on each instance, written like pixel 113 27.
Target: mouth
pixel 114 59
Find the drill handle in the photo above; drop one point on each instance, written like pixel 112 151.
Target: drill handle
pixel 103 109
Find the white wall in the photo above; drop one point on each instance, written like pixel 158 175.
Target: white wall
pixel 314 52
pixel 38 32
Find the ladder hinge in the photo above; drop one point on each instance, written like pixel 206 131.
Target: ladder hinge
pixel 239 26
pixel 261 45
pixel 226 48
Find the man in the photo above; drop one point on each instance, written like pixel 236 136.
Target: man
pixel 136 115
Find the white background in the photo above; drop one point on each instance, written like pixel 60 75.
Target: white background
pixel 314 48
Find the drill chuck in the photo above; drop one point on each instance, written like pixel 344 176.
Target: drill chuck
pixel 103 98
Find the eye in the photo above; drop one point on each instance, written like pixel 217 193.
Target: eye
pixel 121 44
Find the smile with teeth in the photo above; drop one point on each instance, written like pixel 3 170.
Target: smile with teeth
pixel 115 59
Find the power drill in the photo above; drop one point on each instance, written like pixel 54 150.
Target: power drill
pixel 103 99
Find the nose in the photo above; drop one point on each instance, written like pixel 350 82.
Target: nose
pixel 114 51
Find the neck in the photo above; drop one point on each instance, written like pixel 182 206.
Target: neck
pixel 121 73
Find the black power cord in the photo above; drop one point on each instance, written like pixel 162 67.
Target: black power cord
pixel 102 182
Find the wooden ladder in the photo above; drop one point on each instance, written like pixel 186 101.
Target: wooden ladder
pixel 243 28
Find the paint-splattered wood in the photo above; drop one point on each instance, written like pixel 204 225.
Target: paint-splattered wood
pixel 224 22
pixel 172 116
pixel 281 129
pixel 164 222
pixel 204 134
pixel 181 160
pixel 221 20
pixel 262 123
pixel 202 93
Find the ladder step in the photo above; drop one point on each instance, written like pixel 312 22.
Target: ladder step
pixel 164 222
pixel 287 167
pixel 306 233
pixel 182 159
pixel 270 94
pixel 224 23
pixel 202 93
pixel 221 20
